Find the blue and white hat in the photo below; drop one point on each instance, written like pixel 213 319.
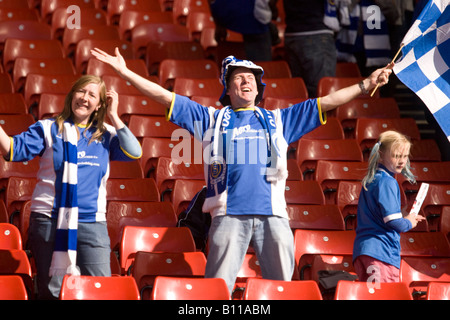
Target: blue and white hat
pixel 228 65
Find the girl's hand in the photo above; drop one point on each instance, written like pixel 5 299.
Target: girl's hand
pixel 112 103
pixel 414 219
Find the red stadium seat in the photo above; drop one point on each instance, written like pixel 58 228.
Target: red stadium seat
pixel 304 192
pixel 183 192
pixel 131 18
pixel 151 126
pixel 139 105
pixel 348 290
pixel 287 88
pixel 328 85
pixel 50 105
pixel 115 9
pixel 275 69
pixel 6 84
pixel 14 124
pixel 90 17
pixel 16 262
pixel 12 288
pixel 323 217
pixel 24 29
pixel 98 288
pixel 125 170
pixel 123 87
pixel 176 288
pixel 198 87
pixel 12 103
pixel 153 239
pixel 197 21
pixel 140 189
pixel 48 7
pixel 149 213
pixel 158 51
pixel 10 237
pixel 183 8
pixel 263 289
pixel 347 69
pixel 148 265
pixel 438 291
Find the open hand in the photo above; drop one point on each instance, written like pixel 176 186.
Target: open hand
pixel 117 62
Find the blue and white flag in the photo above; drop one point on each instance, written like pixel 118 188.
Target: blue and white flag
pixel 425 63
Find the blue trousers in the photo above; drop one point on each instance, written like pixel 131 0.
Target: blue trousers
pixel 93 252
pixel 230 236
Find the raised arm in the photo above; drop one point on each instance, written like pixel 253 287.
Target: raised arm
pixel 5 142
pixel 333 100
pixel 147 87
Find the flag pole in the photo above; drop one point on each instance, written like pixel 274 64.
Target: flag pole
pixel 395 57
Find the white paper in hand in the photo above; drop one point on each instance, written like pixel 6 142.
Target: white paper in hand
pixel 419 198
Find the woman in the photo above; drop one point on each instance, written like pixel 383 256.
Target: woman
pixel 68 233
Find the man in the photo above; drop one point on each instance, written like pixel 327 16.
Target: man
pixel 245 161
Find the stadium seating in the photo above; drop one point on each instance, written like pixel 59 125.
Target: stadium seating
pixel 98 288
pixel 12 288
pixel 10 237
pixel 438 291
pixel 348 290
pixel 176 288
pixel 262 289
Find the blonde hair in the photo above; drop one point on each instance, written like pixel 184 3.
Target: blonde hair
pixel 388 141
pixel 97 118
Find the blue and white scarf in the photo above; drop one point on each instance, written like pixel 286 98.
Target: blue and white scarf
pixel 217 167
pixel 65 252
pixel 375 38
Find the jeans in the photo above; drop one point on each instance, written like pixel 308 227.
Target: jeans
pixel 93 252
pixel 311 57
pixel 270 236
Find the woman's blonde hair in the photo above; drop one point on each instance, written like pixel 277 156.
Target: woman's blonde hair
pixel 97 118
pixel 388 141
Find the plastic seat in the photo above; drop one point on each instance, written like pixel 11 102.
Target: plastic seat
pixel 115 9
pixel 50 105
pixel 287 88
pixel 157 51
pixel 98 288
pixel 177 288
pixel 271 103
pixel 201 87
pixel 82 53
pixel 153 239
pixel 24 29
pixel 90 17
pixel 6 84
pixel 14 124
pixel 99 68
pixel 30 48
pixel 183 8
pixel 168 171
pixel 140 189
pixel 12 103
pixel 10 237
pixel 36 84
pixel 444 225
pixel 131 18
pixel 123 87
pixel 321 217
pixel 263 289
pixel 19 14
pixel 151 126
pixel 233 41
pixel 418 272
pixel 71 37
pixel 348 290
pixel 368 130
pixel 148 265
pixel 12 288
pixel 139 105
pixel 183 192
pixel 4 218
pixel 121 213
pixel 125 170
pixel 328 85
pixel 347 197
pixel 438 291
pixel 48 7
pixel 49 66
pixel 18 190
pixel 197 21
pixel 386 108
pixel 425 150
pixel 310 151
pixel 425 171
pixel 152 149
pixel 208 101
pixel 308 243
pixel 143 33
pixel 424 244
pixel 20 4
pixel 170 69
pixel 304 192
pixel 328 173
pixel 347 69
pixel 275 69
pixel 16 262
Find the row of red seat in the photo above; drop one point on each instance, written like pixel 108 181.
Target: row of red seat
pixel 149 252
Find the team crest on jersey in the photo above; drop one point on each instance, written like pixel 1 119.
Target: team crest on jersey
pixel 217 171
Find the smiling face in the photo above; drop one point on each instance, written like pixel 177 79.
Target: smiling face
pixel 396 158
pixel 85 101
pixel 242 88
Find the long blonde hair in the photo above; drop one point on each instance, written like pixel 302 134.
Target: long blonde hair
pixel 97 118
pixel 388 141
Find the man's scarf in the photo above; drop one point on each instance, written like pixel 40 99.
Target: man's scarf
pixel 65 251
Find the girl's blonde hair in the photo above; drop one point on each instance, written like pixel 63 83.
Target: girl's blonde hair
pixel 388 141
pixel 97 118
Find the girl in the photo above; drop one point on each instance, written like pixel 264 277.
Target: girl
pixel 67 232
pixel 376 251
